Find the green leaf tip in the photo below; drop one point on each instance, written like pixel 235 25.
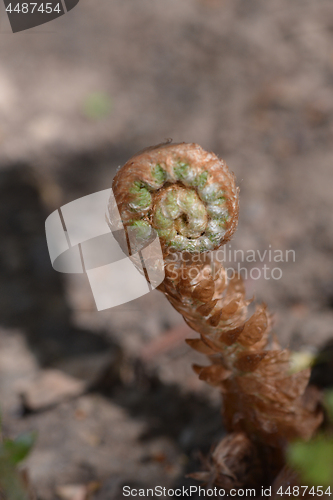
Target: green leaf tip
pixel 16 450
pixel 159 174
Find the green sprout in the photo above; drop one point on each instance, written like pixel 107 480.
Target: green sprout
pixel 200 180
pixel 141 196
pixel 181 170
pixel 159 174
pixel 142 229
pixel 97 105
pixel 314 459
pixel 12 453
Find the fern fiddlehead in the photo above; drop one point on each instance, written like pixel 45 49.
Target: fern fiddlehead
pixel 190 198
pixel 186 194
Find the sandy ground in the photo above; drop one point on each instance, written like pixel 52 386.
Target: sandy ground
pixel 251 81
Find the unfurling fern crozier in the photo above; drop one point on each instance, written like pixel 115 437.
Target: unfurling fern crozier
pixel 189 197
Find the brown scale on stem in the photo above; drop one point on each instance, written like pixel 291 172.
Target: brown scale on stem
pixel 190 198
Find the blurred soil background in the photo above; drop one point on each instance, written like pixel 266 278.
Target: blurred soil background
pixel 112 394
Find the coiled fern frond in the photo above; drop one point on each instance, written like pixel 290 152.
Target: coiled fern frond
pixel 190 198
pixel 186 194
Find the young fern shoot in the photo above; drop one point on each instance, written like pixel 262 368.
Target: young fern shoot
pixel 189 197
